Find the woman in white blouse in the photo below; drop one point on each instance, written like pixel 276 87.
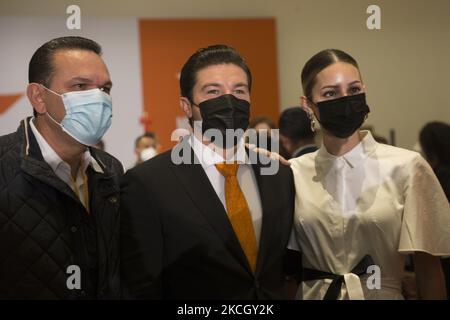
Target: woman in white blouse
pixel 362 206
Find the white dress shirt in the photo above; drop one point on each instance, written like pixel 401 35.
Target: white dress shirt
pixel 375 200
pixel 62 169
pixel 245 175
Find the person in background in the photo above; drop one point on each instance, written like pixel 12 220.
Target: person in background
pixel 262 123
pixel 146 146
pixel 263 126
pixel 59 205
pixel 434 139
pixel 297 132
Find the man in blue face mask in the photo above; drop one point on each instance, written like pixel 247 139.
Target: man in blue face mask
pixel 59 197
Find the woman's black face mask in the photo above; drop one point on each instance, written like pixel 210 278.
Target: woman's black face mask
pixel 225 112
pixel 343 116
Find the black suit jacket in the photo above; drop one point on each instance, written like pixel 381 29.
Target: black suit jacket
pixel 177 241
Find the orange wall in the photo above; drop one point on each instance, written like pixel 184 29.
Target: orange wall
pixel 167 44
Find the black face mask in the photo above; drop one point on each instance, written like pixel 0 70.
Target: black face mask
pixel 343 116
pixel 225 112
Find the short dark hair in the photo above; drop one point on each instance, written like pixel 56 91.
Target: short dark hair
pixel 41 67
pixel 147 134
pixel 295 124
pixel 205 57
pixel 434 140
pixel 320 61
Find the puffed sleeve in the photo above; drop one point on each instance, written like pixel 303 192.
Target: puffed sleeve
pixel 426 215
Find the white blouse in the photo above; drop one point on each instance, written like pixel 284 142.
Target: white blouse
pixel 375 200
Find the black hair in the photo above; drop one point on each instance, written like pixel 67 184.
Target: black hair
pixel 317 63
pixel 295 124
pixel 147 134
pixel 40 68
pixel 434 140
pixel 205 57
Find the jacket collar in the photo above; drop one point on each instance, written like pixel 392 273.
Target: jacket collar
pixel 33 163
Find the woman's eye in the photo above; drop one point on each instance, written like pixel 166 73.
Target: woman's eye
pixel 328 94
pixel 355 90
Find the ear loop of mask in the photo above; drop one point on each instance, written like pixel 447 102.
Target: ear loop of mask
pixel 48 114
pixel 191 119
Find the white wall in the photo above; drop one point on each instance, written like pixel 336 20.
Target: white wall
pixel 405 65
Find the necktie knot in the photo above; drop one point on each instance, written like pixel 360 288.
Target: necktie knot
pixel 228 169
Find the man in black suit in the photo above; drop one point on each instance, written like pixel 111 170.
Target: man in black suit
pixel 191 229
pixel 297 132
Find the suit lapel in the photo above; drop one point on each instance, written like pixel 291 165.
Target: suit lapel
pixel 193 178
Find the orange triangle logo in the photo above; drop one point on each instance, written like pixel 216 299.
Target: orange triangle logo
pixel 7 100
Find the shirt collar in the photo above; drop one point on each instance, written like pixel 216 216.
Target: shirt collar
pixel 355 156
pixel 208 157
pixel 55 161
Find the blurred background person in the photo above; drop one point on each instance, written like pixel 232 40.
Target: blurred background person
pixel 261 124
pixel 434 139
pixel 146 147
pixel 297 133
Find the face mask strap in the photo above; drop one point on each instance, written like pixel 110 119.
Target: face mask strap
pixel 49 89
pixel 51 118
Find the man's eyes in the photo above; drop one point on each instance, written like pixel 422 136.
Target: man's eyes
pixel 85 86
pixel 79 86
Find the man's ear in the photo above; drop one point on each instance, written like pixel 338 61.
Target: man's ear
pixel 35 94
pixel 186 106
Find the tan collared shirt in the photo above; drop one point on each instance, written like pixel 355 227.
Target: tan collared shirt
pixel 62 169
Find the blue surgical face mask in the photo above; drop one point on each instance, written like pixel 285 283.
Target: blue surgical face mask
pixel 88 115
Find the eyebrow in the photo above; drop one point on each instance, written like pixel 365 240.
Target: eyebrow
pixel 214 84
pixel 211 84
pixel 241 84
pixel 87 80
pixel 337 86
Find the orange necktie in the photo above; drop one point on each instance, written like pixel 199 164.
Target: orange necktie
pixel 238 212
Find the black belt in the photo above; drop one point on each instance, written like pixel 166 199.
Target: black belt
pixel 335 286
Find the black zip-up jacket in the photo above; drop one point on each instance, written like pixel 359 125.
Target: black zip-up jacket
pixel 45 231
